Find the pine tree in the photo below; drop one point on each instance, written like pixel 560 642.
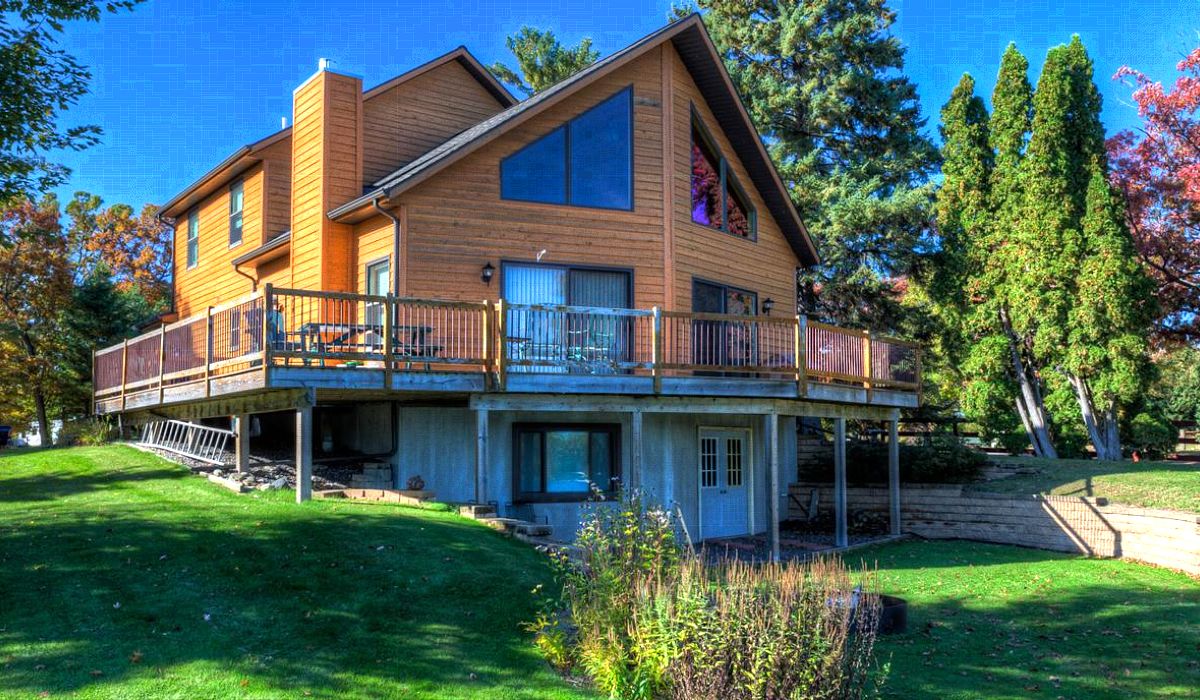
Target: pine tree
pixel 823 80
pixel 542 60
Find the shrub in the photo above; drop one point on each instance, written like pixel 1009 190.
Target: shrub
pixel 943 461
pixel 646 622
pixel 1152 436
pixel 88 432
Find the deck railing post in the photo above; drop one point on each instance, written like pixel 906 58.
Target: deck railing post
pixel 502 348
pixel 268 316
pixel 124 369
pixel 801 355
pixel 390 307
pixel 208 350
pixel 866 355
pixel 162 359
pixel 485 338
pixel 656 348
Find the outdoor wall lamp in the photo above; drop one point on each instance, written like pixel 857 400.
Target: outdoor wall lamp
pixel 486 273
pixel 767 305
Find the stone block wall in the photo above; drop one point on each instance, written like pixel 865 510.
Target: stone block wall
pixel 1066 524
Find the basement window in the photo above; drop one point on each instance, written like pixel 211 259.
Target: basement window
pixel 563 462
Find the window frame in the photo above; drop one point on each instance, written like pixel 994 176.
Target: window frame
pixel 193 235
pixel 729 181
pixel 629 272
pixel 240 186
pixel 566 128
pixel 613 430
pixel 373 307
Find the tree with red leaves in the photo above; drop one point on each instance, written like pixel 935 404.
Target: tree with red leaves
pixel 1158 171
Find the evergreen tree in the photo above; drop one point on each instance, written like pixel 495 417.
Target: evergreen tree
pixel 823 80
pixel 542 60
pixel 1000 267
pixel 1076 293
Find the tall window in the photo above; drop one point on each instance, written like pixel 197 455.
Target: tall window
pixel 717 200
pixel 235 213
pixel 193 239
pixel 377 285
pixel 564 462
pixel 587 162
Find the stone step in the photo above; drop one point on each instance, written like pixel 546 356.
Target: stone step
pixel 512 526
pixel 476 510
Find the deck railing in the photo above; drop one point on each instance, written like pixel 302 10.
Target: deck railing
pixel 300 328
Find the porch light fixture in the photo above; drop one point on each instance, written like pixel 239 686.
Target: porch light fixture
pixel 767 305
pixel 486 273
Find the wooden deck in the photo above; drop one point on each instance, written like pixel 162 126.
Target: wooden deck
pixel 286 339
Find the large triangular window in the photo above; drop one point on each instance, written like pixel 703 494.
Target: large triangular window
pixel 587 162
pixel 717 199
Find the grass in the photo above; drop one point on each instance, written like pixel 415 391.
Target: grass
pixel 991 621
pixel 123 577
pixel 1170 485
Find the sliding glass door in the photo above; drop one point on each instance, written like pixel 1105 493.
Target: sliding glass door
pixel 557 340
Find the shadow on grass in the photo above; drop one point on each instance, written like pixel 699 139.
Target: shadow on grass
pixel 995 621
pixel 51 485
pixel 237 596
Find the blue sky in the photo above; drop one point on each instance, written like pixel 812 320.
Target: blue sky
pixel 178 85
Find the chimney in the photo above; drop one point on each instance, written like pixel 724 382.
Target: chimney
pixel 326 171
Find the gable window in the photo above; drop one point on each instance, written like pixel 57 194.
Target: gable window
pixel 235 213
pixel 563 462
pixel 193 239
pixel 587 162
pixel 717 200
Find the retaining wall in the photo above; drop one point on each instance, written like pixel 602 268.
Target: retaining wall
pixel 1067 524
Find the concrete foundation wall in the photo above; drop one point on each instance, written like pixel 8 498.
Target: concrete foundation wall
pixel 439 445
pixel 1084 525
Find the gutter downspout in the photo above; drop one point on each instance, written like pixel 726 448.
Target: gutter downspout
pixel 253 280
pixel 395 244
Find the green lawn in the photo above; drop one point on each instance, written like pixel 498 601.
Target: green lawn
pixel 1151 484
pixel 990 621
pixel 123 577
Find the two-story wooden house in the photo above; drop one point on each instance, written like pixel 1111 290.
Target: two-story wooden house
pixel 521 302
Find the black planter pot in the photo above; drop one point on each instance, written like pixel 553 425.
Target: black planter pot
pixel 893 615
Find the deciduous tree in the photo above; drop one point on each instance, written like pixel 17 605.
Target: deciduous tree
pixel 134 249
pixel 40 80
pixel 35 289
pixel 1158 173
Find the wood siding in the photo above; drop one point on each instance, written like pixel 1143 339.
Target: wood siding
pixel 457 220
pixel 766 266
pixel 213 279
pixel 326 170
pixel 413 117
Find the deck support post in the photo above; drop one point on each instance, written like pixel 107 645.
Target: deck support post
pixel 636 453
pixel 894 475
pixel 841 531
pixel 772 447
pixel 241 437
pixel 304 427
pixel 481 455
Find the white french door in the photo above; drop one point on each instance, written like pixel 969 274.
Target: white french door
pixel 725 470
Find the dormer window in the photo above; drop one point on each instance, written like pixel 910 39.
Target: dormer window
pixel 587 162
pixel 717 200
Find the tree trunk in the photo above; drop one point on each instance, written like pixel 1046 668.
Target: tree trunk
pixel 1025 422
pixel 1037 423
pixel 39 400
pixel 1102 428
